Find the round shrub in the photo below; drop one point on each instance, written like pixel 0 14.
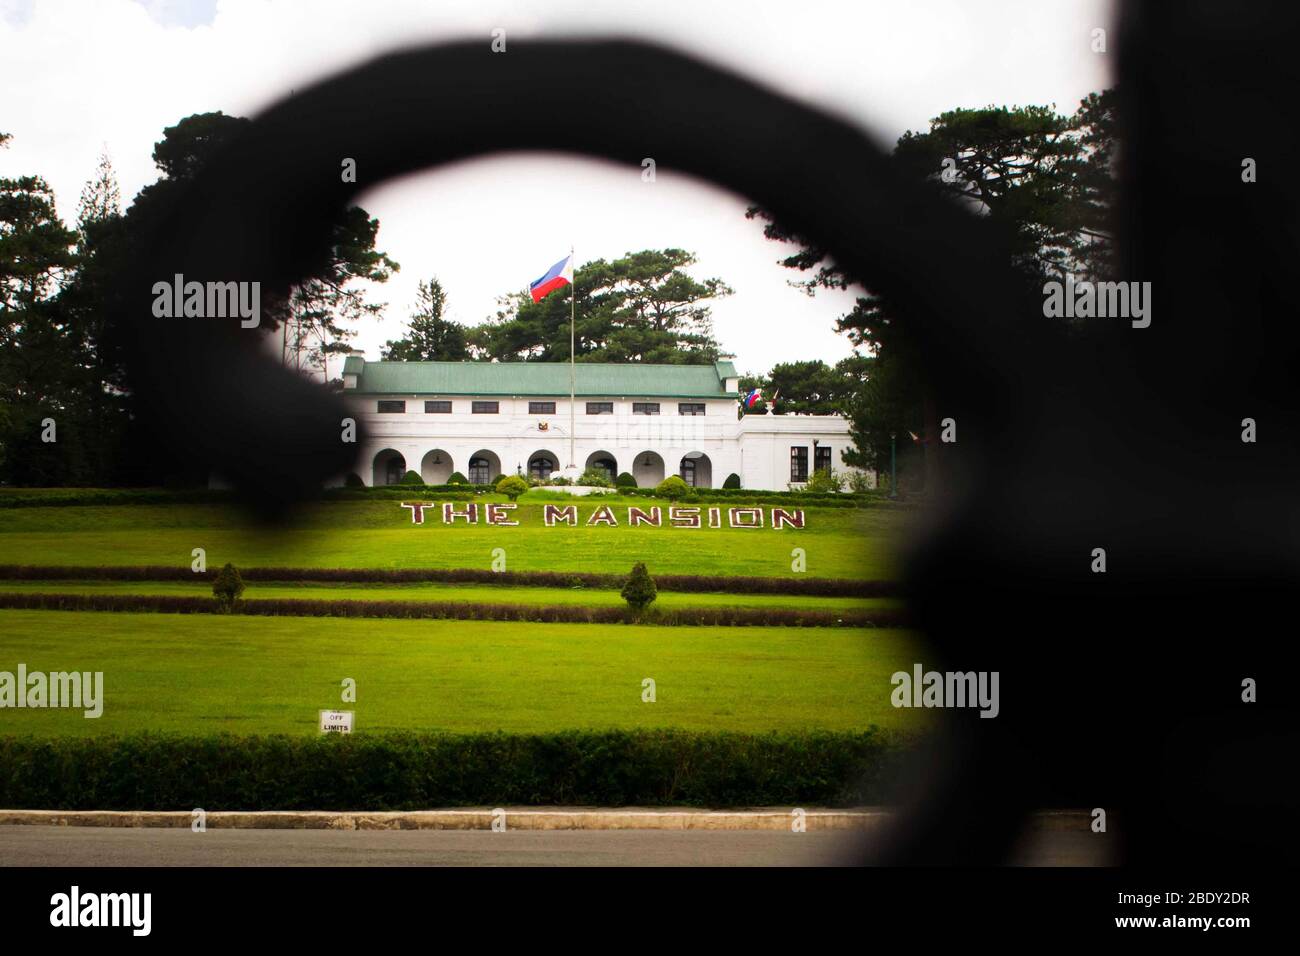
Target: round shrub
pixel 411 478
pixel 457 478
pixel 672 488
pixel 512 486
pixel 353 480
pixel 733 481
pixel 625 481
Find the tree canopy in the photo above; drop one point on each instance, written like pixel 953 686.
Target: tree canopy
pixel 1046 178
pixel 59 358
pixel 642 307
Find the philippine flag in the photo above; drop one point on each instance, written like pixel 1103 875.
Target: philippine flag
pixel 752 398
pixel 560 274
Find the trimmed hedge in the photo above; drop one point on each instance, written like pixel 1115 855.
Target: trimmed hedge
pixel 420 771
pixel 693 583
pixel 56 497
pixel 752 496
pixel 458 610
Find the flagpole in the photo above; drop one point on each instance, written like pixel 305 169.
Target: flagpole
pixel 573 312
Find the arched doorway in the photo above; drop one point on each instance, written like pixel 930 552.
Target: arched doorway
pixel 696 470
pixel 389 467
pixel 648 469
pixel 436 467
pixel 484 467
pixel 603 461
pixel 541 464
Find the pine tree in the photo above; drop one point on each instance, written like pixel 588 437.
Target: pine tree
pixel 430 336
pixel 101 199
pixel 228 587
pixel 640 590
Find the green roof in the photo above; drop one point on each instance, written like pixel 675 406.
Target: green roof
pixel 540 378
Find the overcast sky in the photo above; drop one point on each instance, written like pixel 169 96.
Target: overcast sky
pixel 78 76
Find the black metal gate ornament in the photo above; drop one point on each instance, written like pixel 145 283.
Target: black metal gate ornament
pixel 1119 690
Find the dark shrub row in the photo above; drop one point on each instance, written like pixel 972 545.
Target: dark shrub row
pixel 692 583
pixel 457 610
pixel 420 771
pixel 52 497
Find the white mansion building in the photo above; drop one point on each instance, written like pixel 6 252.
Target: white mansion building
pixel 485 418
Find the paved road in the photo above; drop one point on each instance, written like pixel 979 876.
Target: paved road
pixel 96 846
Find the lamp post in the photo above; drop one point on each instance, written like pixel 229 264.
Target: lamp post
pixel 893 467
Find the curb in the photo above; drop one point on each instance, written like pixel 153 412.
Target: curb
pixel 863 819
pixel 521 819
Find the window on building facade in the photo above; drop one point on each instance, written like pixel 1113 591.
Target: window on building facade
pixel 799 463
pixel 645 408
pixel 541 408
pixel 822 458
pixel 688 471
pixel 541 467
pixel 480 469
pixel 600 408
pixel 392 408
pixel 437 408
pixel 690 408
pixel 485 408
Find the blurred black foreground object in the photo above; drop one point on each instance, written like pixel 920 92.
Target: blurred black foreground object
pixel 1121 690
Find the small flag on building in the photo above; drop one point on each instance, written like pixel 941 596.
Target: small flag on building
pixel 752 398
pixel 558 275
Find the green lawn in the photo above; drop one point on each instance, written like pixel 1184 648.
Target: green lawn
pixel 475 593
pixel 838 542
pixel 199 674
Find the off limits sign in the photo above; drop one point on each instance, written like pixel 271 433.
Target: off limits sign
pixel 336 721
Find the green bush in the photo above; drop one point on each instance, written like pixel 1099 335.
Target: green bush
pixel 559 482
pixel 353 480
pixel 672 488
pixel 228 587
pixel 456 478
pixel 415 771
pixel 860 482
pixel 733 481
pixel 625 480
pixel 824 480
pixel 512 486
pixel 411 478
pixel 594 478
pixel 640 590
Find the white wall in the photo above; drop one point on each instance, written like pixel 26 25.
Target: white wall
pixel 757 447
